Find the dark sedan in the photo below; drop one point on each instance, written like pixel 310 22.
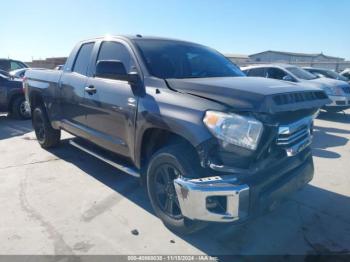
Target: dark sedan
pixel 12 97
pixel 10 65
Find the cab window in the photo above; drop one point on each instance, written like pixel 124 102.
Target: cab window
pixel 82 61
pixel 15 65
pixel 116 51
pixel 276 73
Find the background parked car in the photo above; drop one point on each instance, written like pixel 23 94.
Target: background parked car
pixel 19 73
pixel 10 65
pixel 12 97
pixel 338 91
pixel 320 72
pixel 346 73
pixel 59 67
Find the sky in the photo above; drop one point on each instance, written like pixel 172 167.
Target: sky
pixel 39 29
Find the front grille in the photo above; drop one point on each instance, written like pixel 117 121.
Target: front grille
pixel 297 97
pixel 346 89
pixel 295 136
pixel 340 103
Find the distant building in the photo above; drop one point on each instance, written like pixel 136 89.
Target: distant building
pixel 289 57
pixel 49 63
pixel 238 59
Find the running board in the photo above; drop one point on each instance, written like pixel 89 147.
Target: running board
pixel 129 170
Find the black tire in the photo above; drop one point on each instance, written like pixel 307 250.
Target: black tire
pixel 45 134
pixel 178 159
pixel 18 109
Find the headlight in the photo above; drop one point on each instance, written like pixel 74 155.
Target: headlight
pixel 338 91
pixel 329 91
pixel 234 129
pixel 334 91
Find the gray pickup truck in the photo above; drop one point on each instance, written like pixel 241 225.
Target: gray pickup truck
pixel 209 143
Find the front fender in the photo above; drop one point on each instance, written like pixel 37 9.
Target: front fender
pixel 175 112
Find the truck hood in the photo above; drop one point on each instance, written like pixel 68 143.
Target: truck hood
pixel 253 94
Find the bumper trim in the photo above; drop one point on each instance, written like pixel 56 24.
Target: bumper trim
pixel 193 193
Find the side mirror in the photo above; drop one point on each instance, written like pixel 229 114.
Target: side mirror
pixel 114 69
pixel 288 78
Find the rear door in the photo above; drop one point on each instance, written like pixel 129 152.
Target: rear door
pixel 72 85
pixel 112 108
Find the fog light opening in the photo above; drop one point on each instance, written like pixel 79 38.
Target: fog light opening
pixel 216 204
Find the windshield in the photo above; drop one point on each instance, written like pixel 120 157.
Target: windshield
pixel 175 59
pixel 301 73
pixel 333 75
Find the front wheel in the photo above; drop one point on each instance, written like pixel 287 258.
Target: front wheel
pixel 45 134
pixel 164 167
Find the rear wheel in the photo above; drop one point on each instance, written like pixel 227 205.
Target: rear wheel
pixel 19 110
pixel 45 134
pixel 164 167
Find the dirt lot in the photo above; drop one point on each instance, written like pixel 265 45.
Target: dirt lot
pixel 65 202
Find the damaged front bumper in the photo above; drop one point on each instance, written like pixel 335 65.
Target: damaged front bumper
pixel 197 195
pixel 199 199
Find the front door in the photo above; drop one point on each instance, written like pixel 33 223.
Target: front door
pixel 112 106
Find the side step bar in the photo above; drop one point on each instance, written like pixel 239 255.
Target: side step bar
pixel 129 170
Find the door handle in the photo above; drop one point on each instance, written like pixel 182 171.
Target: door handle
pixel 90 90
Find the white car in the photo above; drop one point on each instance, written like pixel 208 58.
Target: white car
pixel 346 73
pixel 338 91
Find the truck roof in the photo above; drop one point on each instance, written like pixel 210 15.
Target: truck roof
pixel 134 37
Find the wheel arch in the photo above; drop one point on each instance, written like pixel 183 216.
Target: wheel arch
pixel 155 138
pixel 35 99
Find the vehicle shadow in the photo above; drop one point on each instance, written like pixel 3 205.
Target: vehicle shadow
pixel 300 226
pixel 343 117
pixel 122 183
pixel 326 138
pixel 10 127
